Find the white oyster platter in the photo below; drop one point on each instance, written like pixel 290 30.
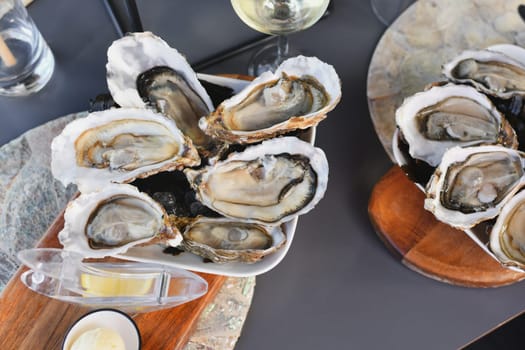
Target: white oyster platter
pixel 169 176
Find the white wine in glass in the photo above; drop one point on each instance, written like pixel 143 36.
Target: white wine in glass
pixel 277 17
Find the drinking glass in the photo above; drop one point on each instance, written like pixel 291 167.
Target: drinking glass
pixel 277 17
pixel 26 62
pixel 388 10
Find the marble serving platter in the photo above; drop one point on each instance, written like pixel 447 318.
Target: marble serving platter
pixel 413 49
pixel 429 33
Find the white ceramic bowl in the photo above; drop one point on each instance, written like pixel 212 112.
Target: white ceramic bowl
pixel 105 318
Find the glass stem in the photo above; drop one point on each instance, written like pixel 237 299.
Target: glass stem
pixel 282 48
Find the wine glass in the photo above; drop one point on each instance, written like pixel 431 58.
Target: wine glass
pixel 277 17
pixel 388 10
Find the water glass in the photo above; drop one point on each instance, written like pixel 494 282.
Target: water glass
pixel 26 62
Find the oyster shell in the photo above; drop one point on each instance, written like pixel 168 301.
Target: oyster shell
pixel 118 145
pixel 297 96
pixel 224 240
pixel 472 184
pixel 442 117
pixel 498 70
pixel 143 70
pixel 110 221
pixel 267 183
pixel 507 237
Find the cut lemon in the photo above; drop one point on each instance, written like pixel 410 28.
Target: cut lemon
pixel 115 287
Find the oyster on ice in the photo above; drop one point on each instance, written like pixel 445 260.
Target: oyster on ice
pixel 225 240
pixel 110 221
pixel 143 70
pixel 472 184
pixel 498 70
pixel 507 237
pixel 119 145
pixel 267 183
pixel 442 117
pixel 297 96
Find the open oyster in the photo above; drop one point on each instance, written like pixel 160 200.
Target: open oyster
pixel 507 238
pixel 498 70
pixel 143 70
pixel 267 183
pixel 118 145
pixel 225 240
pixel 472 184
pixel 442 117
pixel 297 96
pixel 110 221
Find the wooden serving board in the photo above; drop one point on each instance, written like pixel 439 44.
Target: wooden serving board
pixel 427 245
pixel 31 321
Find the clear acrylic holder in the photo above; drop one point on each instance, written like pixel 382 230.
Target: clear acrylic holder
pixel 127 286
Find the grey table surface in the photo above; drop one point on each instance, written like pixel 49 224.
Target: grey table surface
pixel 338 286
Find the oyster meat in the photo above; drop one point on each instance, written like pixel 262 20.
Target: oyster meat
pixel 143 70
pixel 297 96
pixel 507 237
pixel 224 240
pixel 442 117
pixel 109 222
pixel 119 145
pixel 472 184
pixel 498 70
pixel 267 183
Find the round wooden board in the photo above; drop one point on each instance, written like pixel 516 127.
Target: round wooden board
pixel 427 245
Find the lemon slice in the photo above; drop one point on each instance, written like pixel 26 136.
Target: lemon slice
pixel 115 287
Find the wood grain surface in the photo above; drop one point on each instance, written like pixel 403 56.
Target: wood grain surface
pixel 427 245
pixel 32 321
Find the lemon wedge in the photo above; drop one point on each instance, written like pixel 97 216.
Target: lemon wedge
pixel 115 287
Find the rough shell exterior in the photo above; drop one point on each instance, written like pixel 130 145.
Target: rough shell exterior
pixel 283 145
pixel 136 53
pixel 78 212
pixel 224 255
pixel 299 66
pixel 499 227
pixel 63 154
pixel 436 185
pixel 431 151
pixel 505 53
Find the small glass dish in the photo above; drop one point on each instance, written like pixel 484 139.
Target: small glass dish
pixel 105 318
